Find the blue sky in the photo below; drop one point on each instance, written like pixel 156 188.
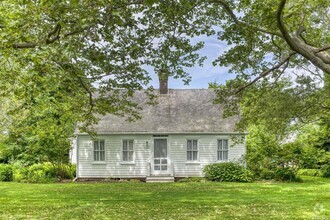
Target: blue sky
pixel 201 76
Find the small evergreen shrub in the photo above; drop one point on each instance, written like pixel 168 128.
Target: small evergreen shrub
pixel 326 171
pixel 6 173
pixel 227 172
pixel 310 172
pixel 286 174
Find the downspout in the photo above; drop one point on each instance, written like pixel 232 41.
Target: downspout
pixel 77 158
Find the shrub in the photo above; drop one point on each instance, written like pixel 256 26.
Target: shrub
pixel 286 174
pixel 310 172
pixel 267 174
pixel 326 171
pixel 43 173
pixel 227 172
pixel 6 173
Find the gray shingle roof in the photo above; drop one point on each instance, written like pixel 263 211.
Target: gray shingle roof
pixel 180 111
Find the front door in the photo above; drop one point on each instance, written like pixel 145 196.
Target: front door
pixel 160 160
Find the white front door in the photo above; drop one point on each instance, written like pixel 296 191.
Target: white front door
pixel 160 163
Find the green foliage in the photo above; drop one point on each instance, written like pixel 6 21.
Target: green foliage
pixel 6 172
pixel 266 155
pixel 310 172
pixel 326 171
pixel 43 173
pixel 227 172
pixel 286 174
pixel 56 57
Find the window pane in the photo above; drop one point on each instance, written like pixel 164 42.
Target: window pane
pixel 164 167
pixel 189 145
pixel 164 161
pixel 157 167
pixel 160 148
pixel 125 156
pixel 102 156
pixel 195 155
pixel 219 144
pixel 225 155
pixel 194 144
pixel 101 144
pixel 219 155
pixel 225 144
pixel 96 145
pixel 130 145
pixel 124 145
pixel 157 161
pixel 189 155
pixel 130 158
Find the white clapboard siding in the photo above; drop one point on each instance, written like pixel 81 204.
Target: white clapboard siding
pixel 207 153
pixel 113 167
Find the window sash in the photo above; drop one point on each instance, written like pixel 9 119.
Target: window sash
pixel 128 150
pixel 99 150
pixel 222 154
pixel 192 150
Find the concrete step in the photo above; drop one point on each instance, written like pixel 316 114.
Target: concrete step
pixel 160 179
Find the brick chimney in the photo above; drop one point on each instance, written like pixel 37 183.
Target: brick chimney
pixel 163 82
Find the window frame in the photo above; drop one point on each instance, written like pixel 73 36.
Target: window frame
pixel 192 150
pixel 127 151
pixel 223 150
pixel 99 151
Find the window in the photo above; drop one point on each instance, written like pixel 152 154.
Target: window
pixel 128 150
pixel 222 149
pixel 99 151
pixel 192 150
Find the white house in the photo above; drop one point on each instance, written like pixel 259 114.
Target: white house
pixel 175 138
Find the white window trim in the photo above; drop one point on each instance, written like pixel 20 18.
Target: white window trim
pixel 192 161
pixel 122 161
pixel 93 152
pixel 217 149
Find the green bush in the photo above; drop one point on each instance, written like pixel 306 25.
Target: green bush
pixel 266 174
pixel 286 174
pixel 309 172
pixel 227 172
pixel 6 173
pixel 326 171
pixel 43 173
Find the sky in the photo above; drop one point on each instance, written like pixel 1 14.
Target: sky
pixel 202 76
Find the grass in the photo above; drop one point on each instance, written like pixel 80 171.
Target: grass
pixel 262 200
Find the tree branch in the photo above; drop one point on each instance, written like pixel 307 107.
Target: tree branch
pixel 268 71
pixel 25 45
pixel 230 12
pixel 296 44
pixel 322 49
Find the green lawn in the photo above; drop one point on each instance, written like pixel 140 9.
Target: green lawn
pixel 307 200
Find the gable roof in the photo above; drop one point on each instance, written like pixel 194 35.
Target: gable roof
pixel 179 111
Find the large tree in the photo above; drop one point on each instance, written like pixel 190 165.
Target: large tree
pixel 273 42
pixel 69 61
